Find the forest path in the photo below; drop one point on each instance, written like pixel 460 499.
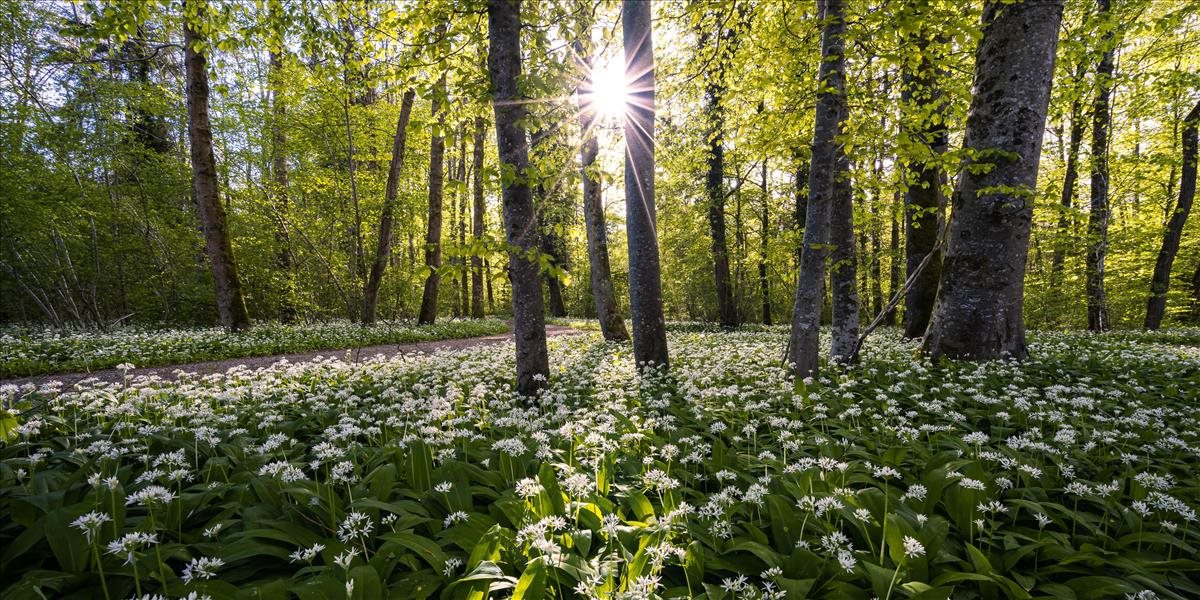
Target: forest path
pixel 257 362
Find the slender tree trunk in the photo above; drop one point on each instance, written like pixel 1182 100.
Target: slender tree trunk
pixel 520 220
pixel 383 246
pixel 433 232
pixel 894 254
pixel 279 168
pixel 1071 175
pixel 978 314
pixel 831 111
pixel 464 288
pixel 924 207
pixel 876 262
pixel 645 283
pixel 1161 281
pixel 1098 216
pixel 612 325
pixel 477 231
pixel 1196 292
pixel 231 306
pixel 844 263
pixel 714 181
pixel 765 226
pixel 800 207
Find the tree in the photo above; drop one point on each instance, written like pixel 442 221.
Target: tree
pixel 1160 282
pixel 520 221
pixel 279 171
pixel 764 284
pixel 714 181
pixel 231 306
pixel 433 228
pixel 477 224
pixel 843 261
pixel 1097 302
pixel 831 112
pixel 924 128
pixel 383 246
pixel 612 325
pixel 978 314
pixel 645 282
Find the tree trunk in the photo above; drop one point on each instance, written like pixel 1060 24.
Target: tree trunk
pixel 924 208
pixel 1097 302
pixel 831 111
pixel 765 230
pixel 279 169
pixel 1161 281
pixel 843 262
pixel 612 325
pixel 383 245
pixel 231 306
pixel 714 181
pixel 978 314
pixel 520 220
pixel 894 253
pixel 645 283
pixel 464 289
pixel 433 232
pixel 1071 175
pixel 477 218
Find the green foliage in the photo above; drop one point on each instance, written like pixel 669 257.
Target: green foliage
pixel 424 476
pixel 26 352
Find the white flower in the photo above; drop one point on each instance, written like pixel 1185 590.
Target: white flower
pixel 307 554
pixel 130 543
pixel 90 523
pixel 201 568
pixel 528 488
pixel 356 525
pixel 443 487
pixel 913 547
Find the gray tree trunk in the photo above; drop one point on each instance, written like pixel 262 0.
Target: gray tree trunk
pixel 764 284
pixel 1067 199
pixel 520 220
pixel 803 344
pixel 894 252
pixel 1098 216
pixel 279 170
pixel 714 181
pixel 477 217
pixel 978 314
pixel 1156 306
pixel 843 262
pixel 612 325
pixel 383 246
pixel 923 205
pixel 645 283
pixel 433 232
pixel 231 306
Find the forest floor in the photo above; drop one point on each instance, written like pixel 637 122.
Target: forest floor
pixel 350 355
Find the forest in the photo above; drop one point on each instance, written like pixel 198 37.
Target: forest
pixel 599 298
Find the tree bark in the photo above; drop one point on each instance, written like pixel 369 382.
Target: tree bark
pixel 843 262
pixel 1098 216
pixel 383 246
pixel 612 324
pixel 894 253
pixel 978 314
pixel 520 220
pixel 831 111
pixel 231 306
pixel 645 283
pixel 1070 176
pixel 279 169
pixel 464 288
pixel 1156 306
pixel 924 208
pixel 714 181
pixel 764 284
pixel 433 232
pixel 477 218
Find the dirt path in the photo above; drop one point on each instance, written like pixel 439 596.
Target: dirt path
pixel 256 362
